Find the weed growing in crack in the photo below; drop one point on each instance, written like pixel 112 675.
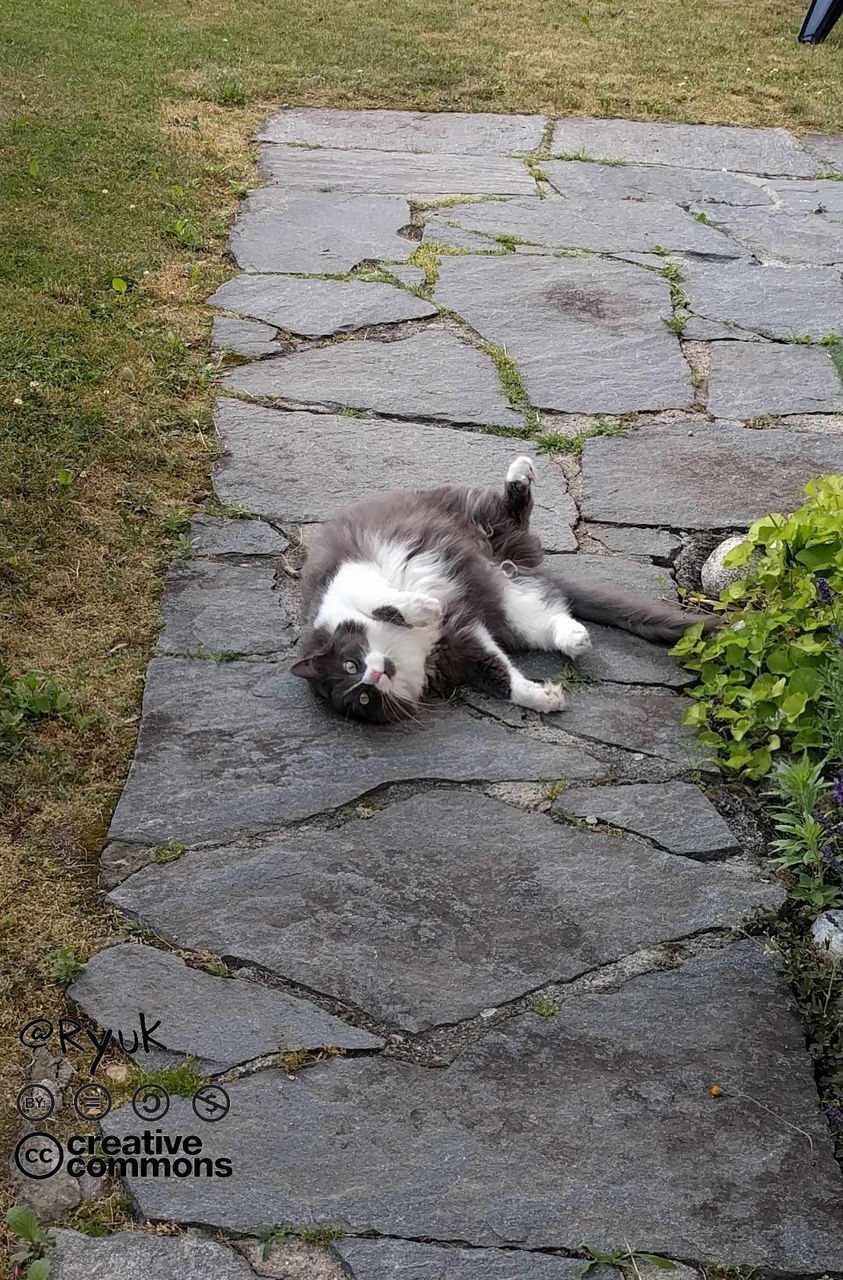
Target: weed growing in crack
pixel 554 442
pixel 546 1008
pixel 170 852
pixel 509 374
pixel 321 1234
pixel 623 1258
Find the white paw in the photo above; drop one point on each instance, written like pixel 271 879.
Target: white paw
pixel 521 472
pixel 571 637
pixel 545 697
pixel 421 611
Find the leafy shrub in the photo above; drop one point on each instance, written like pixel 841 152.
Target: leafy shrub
pixel 773 677
pixel 31 697
pixel 808 816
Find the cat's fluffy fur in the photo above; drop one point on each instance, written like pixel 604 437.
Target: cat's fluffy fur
pixel 422 591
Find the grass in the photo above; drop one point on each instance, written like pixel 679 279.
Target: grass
pixel 125 155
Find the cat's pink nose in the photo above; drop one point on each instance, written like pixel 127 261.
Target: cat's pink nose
pixel 376 675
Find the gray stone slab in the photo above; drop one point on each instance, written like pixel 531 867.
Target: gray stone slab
pixel 303 466
pixel 798 196
pixel 394 172
pixel 607 1106
pixel 778 236
pixel 408 1260
pixel 588 335
pixel 644 720
pixel 452 132
pixel 617 657
pixel 431 375
pixel 689 146
pixel 211 607
pixel 409 275
pixel 399 915
pixel 649 579
pixel 612 226
pixel 747 380
pixel 142 1255
pixel 695 330
pixel 776 302
pixel 583 179
pixel 320 232
pixel 219 1021
pixel 244 337
pixel 660 544
pixel 318 308
pixel 722 478
pixel 676 815
pixel 439 232
pixel 229 748
pixel 217 536
pixel 828 147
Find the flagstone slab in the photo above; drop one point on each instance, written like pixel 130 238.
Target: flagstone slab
pixel 775 302
pixel 417 914
pixel 236 747
pixel 142 1255
pixel 616 1084
pixel 586 180
pixel 431 375
pixel 221 1022
pixel 829 148
pixel 797 196
pixel 611 226
pixel 588 335
pixel 450 132
pixel 659 544
pixel 304 466
pixel 639 720
pixel 318 308
pixel 317 231
pixel 721 478
pixel 211 607
pixel 408 275
pixel 218 536
pixel 409 1260
pixel 747 380
pixel 778 236
pixel 609 571
pixel 244 337
pixel 676 815
pixel 688 146
pixel 394 172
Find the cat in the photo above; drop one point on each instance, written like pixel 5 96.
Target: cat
pixel 419 592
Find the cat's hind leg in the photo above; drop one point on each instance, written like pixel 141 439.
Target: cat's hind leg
pixel 518 490
pixel 537 616
pixel 495 670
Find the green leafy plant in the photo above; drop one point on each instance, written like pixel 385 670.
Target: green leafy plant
pixel 34 696
pixel 168 852
pixel 763 678
pixel 808 817
pixel 624 1257
pixel 23 1223
pixel 185 231
pixel 63 965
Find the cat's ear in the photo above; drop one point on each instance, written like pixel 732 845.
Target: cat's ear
pixel 312 665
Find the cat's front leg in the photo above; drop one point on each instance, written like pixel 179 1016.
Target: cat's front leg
pixel 497 671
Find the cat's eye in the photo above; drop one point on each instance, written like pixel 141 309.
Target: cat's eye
pixel 350 667
pixel 363 699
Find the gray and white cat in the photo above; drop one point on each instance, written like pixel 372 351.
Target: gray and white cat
pixel 419 592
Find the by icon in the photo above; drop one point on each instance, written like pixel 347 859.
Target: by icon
pixel 92 1101
pixel 211 1102
pixel 35 1102
pixel 150 1102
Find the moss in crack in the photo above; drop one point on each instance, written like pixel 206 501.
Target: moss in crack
pixel 509 374
pixel 427 257
pixel 555 442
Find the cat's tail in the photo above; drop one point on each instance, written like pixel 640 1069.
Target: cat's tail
pixel 652 619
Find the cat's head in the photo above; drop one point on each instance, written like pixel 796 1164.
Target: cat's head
pixel 345 673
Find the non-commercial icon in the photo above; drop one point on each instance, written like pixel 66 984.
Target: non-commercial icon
pixel 92 1101
pixel 211 1102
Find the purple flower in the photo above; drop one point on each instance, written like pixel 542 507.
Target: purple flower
pixel 824 591
pixel 833 864
pixel 837 790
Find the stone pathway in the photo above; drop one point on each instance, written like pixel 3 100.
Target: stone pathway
pixel 517 933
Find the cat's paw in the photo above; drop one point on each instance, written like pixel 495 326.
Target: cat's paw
pixel 545 697
pixel 521 472
pixel 571 637
pixel 421 611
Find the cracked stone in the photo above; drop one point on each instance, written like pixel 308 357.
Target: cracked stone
pixel 777 234
pixel 317 231
pixel 245 337
pixel 588 335
pixel 608 227
pixel 660 544
pixel 616 1083
pixel 409 275
pixel 809 197
pixel 776 302
pixel 409 1260
pixel 695 330
pixel 318 308
pixel 635 575
pixel 431 375
pixel 394 172
pixel 141 1255
pixel 220 1021
pixel 587 180
pixel 399 915
pixel 747 380
pixel 440 233
pixel 120 859
pixel 305 466
pixel 722 477
pixel 211 607
pixel 294 1259
pixel 216 536
pixel 829 148
pixel 453 133
pixel 689 146
pixel 675 815
pixel 645 720
pixel 616 657
pixel 226 748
